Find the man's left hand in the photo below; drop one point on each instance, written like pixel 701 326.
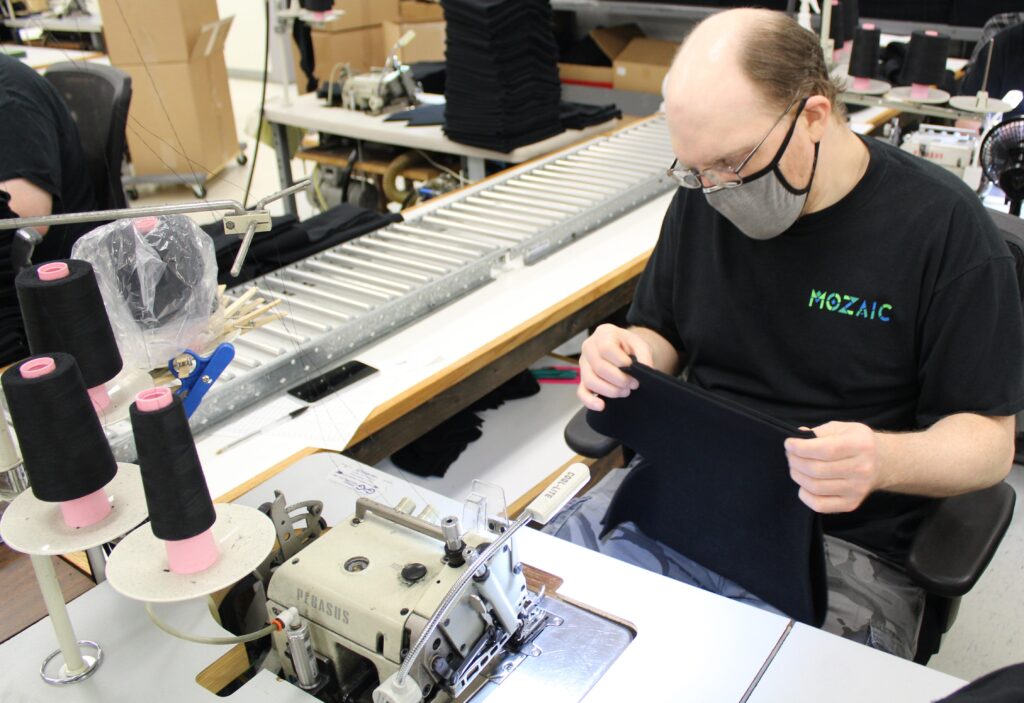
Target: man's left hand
pixel 836 470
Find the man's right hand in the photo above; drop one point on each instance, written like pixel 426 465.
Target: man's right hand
pixel 605 353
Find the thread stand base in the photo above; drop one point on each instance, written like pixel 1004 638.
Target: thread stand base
pixel 138 567
pixel 934 96
pixel 54 672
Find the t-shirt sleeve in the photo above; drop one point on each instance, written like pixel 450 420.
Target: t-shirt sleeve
pixel 972 343
pixel 653 306
pixel 30 146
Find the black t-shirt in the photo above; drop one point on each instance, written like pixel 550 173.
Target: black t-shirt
pixel 894 307
pixel 39 142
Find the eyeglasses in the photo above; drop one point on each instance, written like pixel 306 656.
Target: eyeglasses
pixel 719 178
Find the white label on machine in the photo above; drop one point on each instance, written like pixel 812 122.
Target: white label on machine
pixel 361 480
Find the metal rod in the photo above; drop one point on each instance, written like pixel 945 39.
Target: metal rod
pixel 468 227
pixel 395 259
pixel 624 154
pixel 465 217
pixel 319 293
pixel 378 293
pixel 579 175
pixel 552 191
pixel 261 346
pixel 467 254
pixel 614 167
pixel 549 194
pixel 313 278
pixel 70 218
pixel 293 301
pixel 54 599
pixel 356 261
pixel 382 282
pixel 505 211
pixel 467 239
pixel 97 563
pixel 603 168
pixel 366 505
pixel 556 180
pixel 562 210
pixel 246 361
pixel 406 248
pixel 284 334
pixel 243 249
pixel 318 326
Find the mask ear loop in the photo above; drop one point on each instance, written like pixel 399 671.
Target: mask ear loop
pixel 773 165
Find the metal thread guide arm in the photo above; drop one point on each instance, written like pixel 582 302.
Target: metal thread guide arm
pixel 238 221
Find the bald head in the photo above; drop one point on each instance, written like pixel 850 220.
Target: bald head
pixel 709 63
pixel 735 74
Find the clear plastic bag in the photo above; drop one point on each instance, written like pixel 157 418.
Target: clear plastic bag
pixel 158 277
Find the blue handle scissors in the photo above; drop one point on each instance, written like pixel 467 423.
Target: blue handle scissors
pixel 197 373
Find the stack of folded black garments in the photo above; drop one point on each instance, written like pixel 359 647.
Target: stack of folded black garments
pixel 581 116
pixel 502 89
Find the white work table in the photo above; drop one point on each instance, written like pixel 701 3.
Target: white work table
pixel 42 57
pixel 309 112
pixel 690 644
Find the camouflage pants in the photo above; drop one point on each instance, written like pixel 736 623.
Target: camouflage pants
pixel 869 600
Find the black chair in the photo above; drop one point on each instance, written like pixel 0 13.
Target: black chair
pixel 954 544
pixel 97 97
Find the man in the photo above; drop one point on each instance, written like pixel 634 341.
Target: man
pixel 831 282
pixel 42 171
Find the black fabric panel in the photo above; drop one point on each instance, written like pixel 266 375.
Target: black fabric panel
pixel 715 487
pixel 1004 685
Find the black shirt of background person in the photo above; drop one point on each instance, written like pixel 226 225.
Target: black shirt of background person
pixel 39 143
pixel 894 307
pixel 1006 72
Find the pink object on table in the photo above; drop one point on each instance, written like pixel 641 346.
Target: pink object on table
pixel 869 25
pixel 861 83
pixel 53 271
pixel 89 509
pixel 153 399
pixel 184 556
pixel 919 91
pixel 188 556
pixel 931 33
pixel 35 368
pixel 145 225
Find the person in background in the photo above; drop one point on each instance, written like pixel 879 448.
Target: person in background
pixel 42 171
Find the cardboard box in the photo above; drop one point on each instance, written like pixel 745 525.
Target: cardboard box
pixel 154 31
pixel 31 7
pixel 417 11
pixel 611 41
pixel 181 119
pixel 361 13
pixel 642 65
pixel 428 45
pixel 361 49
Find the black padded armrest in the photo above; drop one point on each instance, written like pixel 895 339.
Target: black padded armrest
pixel 585 441
pixel 956 542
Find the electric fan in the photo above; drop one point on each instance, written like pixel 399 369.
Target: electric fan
pixel 1002 158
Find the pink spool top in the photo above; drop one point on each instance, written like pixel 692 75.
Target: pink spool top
pixel 154 399
pixel 860 83
pixel 919 91
pixel 87 510
pixel 146 224
pixel 869 25
pixel 53 271
pixel 38 367
pixel 931 33
pixel 189 556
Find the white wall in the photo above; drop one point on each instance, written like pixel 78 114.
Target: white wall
pixel 244 49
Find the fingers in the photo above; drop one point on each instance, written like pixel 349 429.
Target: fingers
pixel 824 504
pixel 604 355
pixel 637 346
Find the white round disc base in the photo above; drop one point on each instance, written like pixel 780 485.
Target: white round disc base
pixel 934 97
pixel 969 103
pixel 54 671
pixel 138 569
pixel 33 526
pixel 874 87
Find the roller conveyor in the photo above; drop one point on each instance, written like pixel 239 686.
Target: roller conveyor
pixel 340 299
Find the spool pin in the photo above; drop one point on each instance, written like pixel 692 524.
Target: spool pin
pixel 54 272
pixel 89 509
pixel 184 556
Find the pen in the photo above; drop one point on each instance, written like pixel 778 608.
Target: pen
pixel 273 423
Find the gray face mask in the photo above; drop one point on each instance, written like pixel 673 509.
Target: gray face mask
pixel 765 205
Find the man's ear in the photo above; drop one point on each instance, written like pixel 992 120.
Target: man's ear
pixel 817 112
